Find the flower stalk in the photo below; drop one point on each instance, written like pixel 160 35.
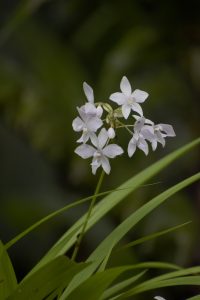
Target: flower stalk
pixel 89 212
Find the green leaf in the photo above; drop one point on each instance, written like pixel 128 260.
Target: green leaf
pixel 122 285
pixel 187 280
pixel 120 231
pixel 85 274
pixel 94 286
pixel 113 199
pixel 152 236
pixel 49 217
pixel 56 274
pixel 168 279
pixel 197 297
pixel 8 281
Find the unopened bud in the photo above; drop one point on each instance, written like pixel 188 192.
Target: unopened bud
pixel 111 133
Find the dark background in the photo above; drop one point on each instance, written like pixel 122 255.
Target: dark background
pixel 47 49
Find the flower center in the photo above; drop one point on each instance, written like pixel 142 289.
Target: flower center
pixel 130 100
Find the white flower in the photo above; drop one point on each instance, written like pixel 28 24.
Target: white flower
pixel 141 133
pixel 89 122
pixel 101 153
pixel 159 298
pixel 111 133
pixel 161 131
pixel 129 100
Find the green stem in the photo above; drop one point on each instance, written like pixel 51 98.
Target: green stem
pixel 81 235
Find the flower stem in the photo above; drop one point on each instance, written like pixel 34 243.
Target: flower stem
pixel 81 235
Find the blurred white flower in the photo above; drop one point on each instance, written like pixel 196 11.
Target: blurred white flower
pixel 89 122
pixel 140 135
pixel 160 132
pixel 159 298
pixel 129 100
pixel 101 153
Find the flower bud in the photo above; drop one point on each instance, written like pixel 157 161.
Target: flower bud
pixel 111 133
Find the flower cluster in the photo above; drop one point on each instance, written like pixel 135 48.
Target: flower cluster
pixel 100 116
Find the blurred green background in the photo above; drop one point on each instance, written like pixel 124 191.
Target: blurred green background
pixel 47 49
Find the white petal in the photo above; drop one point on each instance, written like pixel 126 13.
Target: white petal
pixel 154 145
pixel 112 150
pixel 84 138
pixel 131 147
pixel 111 133
pixel 168 129
pixel 90 109
pixel 160 138
pixel 118 98
pixel 139 124
pixel 95 165
pixel 140 96
pixel 85 151
pixel 105 164
pixel 142 145
pixel 77 124
pixel 88 92
pixel 82 113
pixel 148 133
pixel 159 298
pixel 136 107
pixel 102 138
pixel 99 111
pixel 125 86
pixel 94 123
pixel 126 109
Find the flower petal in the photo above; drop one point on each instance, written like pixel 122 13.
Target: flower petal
pixel 136 107
pixel 125 86
pixel 95 165
pixel 88 92
pixel 131 147
pixel 102 138
pixel 142 145
pixel 105 164
pixel 77 124
pixel 168 129
pixel 126 109
pixel 112 150
pixel 160 138
pixel 148 133
pixel 140 96
pixel 118 98
pixel 159 298
pixel 139 124
pixel 94 123
pixel 90 109
pixel 99 111
pixel 85 151
pixel 154 145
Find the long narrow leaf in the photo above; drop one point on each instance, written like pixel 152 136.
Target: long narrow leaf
pixel 152 236
pixel 122 285
pixel 120 231
pixel 113 199
pixel 58 273
pixel 187 280
pixel 8 281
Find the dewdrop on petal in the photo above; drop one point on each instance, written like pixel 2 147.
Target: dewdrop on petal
pixel 111 133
